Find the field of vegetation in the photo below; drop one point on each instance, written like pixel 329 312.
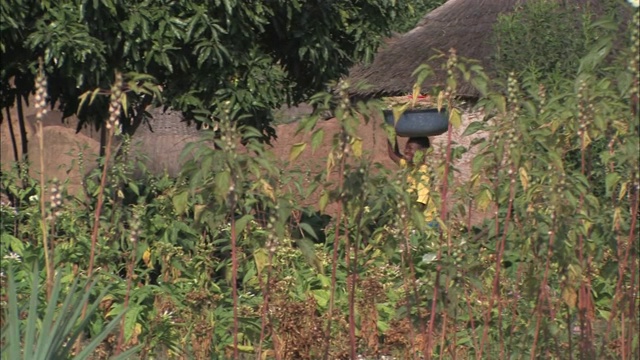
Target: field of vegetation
pixel 223 262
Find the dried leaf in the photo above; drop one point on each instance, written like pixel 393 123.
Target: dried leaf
pixel 296 150
pixel 416 93
pixel 569 296
pixel 524 178
pixel 268 189
pixel 484 199
pixel 261 258
pixel 398 111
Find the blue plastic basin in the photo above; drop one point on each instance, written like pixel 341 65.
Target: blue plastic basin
pixel 419 123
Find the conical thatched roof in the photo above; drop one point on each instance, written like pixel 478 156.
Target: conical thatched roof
pixel 465 25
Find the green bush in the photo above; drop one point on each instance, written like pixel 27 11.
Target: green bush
pixel 218 264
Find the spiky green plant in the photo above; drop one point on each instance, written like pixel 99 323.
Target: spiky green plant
pixel 52 334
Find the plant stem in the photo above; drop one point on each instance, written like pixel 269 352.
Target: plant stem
pixel 265 303
pixel 334 263
pixel 130 273
pixel 43 214
pixel 234 279
pixel 96 221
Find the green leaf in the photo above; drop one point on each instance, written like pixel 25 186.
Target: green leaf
pixel 134 187
pixel 242 223
pixel 308 250
pixel 611 181
pixel 180 202
pixel 16 244
pixel 223 182
pixel 500 102
pixel 322 297
pixel 308 230
pixel 323 201
pixel 316 139
pixel 261 258
pixel 474 127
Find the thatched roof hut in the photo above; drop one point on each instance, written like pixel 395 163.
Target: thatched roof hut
pixel 466 26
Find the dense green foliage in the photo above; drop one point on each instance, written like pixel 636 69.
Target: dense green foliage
pixel 417 9
pixel 224 260
pixel 258 54
pixel 532 42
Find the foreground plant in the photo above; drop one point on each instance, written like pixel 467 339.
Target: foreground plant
pixel 52 334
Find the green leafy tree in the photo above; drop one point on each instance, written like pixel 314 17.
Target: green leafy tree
pixel 256 54
pixel 417 9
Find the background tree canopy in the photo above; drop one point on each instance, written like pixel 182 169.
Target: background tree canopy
pixel 256 54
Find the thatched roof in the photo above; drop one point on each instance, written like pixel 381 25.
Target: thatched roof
pixel 464 25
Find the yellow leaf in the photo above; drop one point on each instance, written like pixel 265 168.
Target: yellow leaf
pixel 416 93
pixel 524 178
pixel 296 150
pixel 474 180
pixel 330 163
pixel 356 146
pixel 267 354
pixel 586 140
pixel 569 296
pixel 617 216
pixel 146 257
pixel 137 330
pixel 268 189
pixel 455 118
pixel 440 100
pixel 197 211
pixel 484 199
pixel 398 111
pixel 623 190
pixel 261 258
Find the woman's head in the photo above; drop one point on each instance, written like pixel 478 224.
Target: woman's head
pixel 415 144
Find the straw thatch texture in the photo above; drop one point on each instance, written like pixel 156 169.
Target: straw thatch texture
pixel 464 25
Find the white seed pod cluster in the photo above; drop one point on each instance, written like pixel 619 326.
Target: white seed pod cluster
pixel 115 106
pixel 135 227
pixel 452 62
pixel 41 93
pixel 55 198
pixel 542 94
pixel 512 88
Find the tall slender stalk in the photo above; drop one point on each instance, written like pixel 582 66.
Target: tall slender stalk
pixel 115 109
pixel 352 293
pixel 127 296
pixel 266 298
pixel 234 279
pixel 334 262
pixel 43 216
pixel 41 102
